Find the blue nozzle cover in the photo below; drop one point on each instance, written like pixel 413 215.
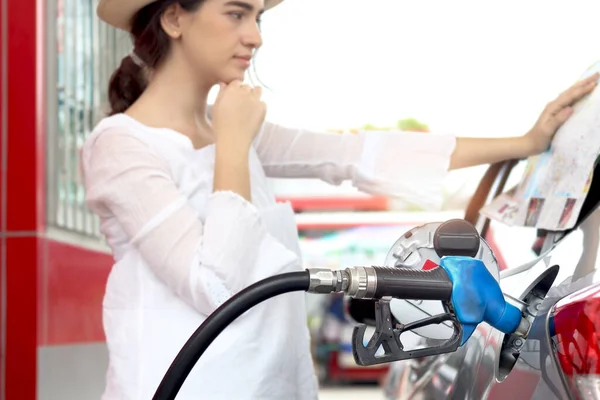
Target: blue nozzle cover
pixel 477 297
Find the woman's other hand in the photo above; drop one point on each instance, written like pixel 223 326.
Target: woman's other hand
pixel 556 113
pixel 238 114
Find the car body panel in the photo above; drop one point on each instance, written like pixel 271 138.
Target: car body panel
pixel 473 372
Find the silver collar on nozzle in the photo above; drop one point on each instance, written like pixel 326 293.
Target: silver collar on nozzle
pixel 356 282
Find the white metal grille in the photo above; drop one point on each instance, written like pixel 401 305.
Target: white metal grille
pixel 82 52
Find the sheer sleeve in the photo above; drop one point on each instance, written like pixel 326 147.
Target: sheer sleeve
pixel 410 166
pixel 204 262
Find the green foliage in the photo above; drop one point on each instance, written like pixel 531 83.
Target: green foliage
pixel 412 124
pixel 406 124
pixel 371 127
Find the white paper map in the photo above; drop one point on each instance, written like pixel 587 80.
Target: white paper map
pixel 555 183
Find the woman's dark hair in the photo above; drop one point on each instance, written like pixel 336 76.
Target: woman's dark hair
pixel 151 46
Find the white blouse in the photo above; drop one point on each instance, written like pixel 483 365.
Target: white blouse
pixel 181 250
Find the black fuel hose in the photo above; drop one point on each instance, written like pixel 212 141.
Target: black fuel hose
pixel 237 305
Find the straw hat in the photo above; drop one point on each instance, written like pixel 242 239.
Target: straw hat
pixel 119 13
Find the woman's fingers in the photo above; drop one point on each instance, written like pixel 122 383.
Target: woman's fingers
pixel 574 93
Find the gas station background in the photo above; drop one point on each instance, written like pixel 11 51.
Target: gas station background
pixel 462 67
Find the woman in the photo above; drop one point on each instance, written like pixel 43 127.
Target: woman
pixel 182 195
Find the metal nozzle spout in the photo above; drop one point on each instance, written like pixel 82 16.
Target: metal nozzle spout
pixel 523 328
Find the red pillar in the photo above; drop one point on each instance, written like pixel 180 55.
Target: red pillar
pixel 23 186
pixel 2 202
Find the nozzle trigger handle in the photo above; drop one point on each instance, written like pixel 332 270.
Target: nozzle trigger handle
pixel 387 337
pixel 477 297
pixel 405 283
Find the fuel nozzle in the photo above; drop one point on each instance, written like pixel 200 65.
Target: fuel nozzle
pixel 465 282
pixel 469 293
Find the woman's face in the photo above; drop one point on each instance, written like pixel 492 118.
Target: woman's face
pixel 219 39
